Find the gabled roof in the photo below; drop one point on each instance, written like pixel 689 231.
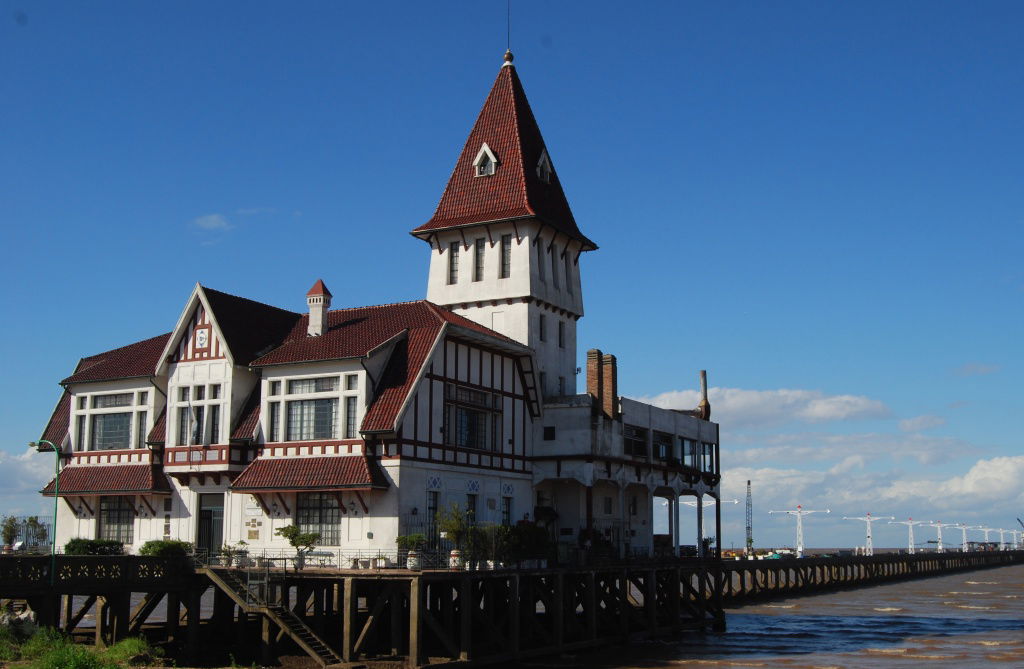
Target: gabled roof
pixel 131 361
pixel 332 472
pixel 506 124
pixel 110 480
pixel 158 433
pixel 250 328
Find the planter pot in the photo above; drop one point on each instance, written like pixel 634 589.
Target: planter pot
pixel 455 559
pixel 412 560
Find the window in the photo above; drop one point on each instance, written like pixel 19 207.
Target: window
pixel 689 452
pixel 350 417
pixel 543 383
pixel 561 386
pixel 275 387
pixel 472 418
pixel 215 391
pixel 544 167
pixel 505 270
pixel 485 162
pixel 116 519
pixel 200 393
pixel 324 384
pixel 554 265
pixel 634 440
pixel 540 260
pixel 506 511
pixel 275 421
pixel 478 259
pixel 184 425
pixel 608 506
pixel 351 382
pixel 215 423
pixel 183 394
pixel 140 429
pixel 471 506
pixel 453 263
pixel 319 512
pixel 662 445
pixel 111 431
pixel 311 419
pixel 143 397
pixel 433 498
pixel 543 327
pixel 81 402
pixel 632 505
pixel 197 425
pixel 568 273
pixel 111 401
pixel 549 433
pixel 561 334
pixel 80 433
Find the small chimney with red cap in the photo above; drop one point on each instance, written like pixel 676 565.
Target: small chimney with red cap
pixel 319 300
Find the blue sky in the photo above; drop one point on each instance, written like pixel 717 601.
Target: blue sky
pixel 819 203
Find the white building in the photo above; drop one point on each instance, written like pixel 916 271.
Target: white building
pixel 360 423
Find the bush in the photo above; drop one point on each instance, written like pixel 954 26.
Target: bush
pixel 411 542
pixel 42 642
pixel 94 547
pixel 165 548
pixel 71 656
pixel 132 652
pixel 9 650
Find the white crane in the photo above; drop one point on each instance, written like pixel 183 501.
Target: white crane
pixel 703 518
pixel 1002 540
pixel 963 536
pixel 986 530
pixel 938 525
pixel 800 513
pixel 909 522
pixel 869 548
pixel 1015 534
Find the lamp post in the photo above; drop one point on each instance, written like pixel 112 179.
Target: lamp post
pixel 39 446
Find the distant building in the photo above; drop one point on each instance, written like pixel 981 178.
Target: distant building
pixel 362 423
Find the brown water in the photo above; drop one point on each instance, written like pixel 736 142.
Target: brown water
pixel 972 619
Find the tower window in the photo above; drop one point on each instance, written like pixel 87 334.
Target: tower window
pixel 554 265
pixel 485 162
pixel 543 328
pixel 568 272
pixel 540 260
pixel 544 167
pixel 453 263
pixel 561 334
pixel 506 257
pixel 478 259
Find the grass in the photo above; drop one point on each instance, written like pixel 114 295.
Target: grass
pixel 49 649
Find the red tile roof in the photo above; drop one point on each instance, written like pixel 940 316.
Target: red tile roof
pixel 319 288
pixel 158 435
pixel 133 360
pixel 248 417
pixel 337 472
pixel 110 480
pixel 60 421
pixel 507 125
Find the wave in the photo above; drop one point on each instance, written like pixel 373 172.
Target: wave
pixel 888 608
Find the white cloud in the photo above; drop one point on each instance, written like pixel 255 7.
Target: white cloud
pixel 820 447
pixel 976 369
pixel 22 476
pixel 212 222
pixel 738 407
pixel 918 423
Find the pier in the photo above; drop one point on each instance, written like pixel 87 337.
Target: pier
pixel 348 617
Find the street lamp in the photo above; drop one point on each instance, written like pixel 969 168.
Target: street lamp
pixel 40 446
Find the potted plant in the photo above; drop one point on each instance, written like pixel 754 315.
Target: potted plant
pixel 235 554
pixel 302 542
pixel 412 544
pixel 453 524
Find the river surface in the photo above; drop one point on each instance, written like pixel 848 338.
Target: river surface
pixel 970 619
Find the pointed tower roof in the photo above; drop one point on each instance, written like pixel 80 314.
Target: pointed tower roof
pixel 319 288
pixel 515 189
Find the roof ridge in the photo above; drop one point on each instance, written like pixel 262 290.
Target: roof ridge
pixel 376 306
pixel 249 300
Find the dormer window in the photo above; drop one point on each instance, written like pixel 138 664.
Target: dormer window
pixel 485 162
pixel 544 167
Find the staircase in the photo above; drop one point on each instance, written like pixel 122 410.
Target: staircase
pixel 254 602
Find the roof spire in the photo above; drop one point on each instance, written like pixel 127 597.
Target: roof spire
pixel 508 58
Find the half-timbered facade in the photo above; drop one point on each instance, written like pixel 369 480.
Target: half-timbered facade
pixel 362 423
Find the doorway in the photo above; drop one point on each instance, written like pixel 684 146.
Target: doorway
pixel 211 522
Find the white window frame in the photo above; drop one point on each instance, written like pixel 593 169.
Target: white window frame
pixel 485 163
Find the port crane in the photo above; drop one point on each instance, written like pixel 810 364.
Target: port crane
pixel 938 525
pixel 963 536
pixel 800 512
pixel 869 548
pixel 909 522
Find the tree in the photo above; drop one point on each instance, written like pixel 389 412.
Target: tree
pixel 9 530
pixel 302 542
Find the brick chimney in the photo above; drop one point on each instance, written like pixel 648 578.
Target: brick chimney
pixel 595 380
pixel 610 386
pixel 319 300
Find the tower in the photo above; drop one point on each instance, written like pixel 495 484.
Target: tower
pixel 750 522
pixel 319 301
pixel 505 247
